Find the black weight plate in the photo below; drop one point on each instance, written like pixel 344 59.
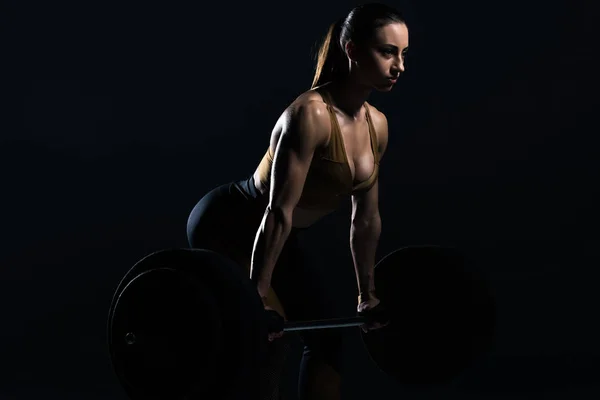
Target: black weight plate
pixel 442 315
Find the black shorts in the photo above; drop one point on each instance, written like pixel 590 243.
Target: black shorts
pixel 227 219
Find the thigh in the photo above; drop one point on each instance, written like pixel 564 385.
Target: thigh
pixel 306 294
pixel 226 222
pixel 300 282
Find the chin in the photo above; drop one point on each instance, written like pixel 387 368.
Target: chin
pixel 384 88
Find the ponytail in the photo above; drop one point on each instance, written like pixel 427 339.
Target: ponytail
pixel 331 60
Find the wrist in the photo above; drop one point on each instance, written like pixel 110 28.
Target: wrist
pixel 366 295
pixel 366 287
pixel 263 293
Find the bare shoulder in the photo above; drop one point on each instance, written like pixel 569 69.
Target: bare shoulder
pixel 379 119
pixel 307 115
pixel 310 104
pixel 380 124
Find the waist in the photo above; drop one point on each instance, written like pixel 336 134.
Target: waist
pixel 249 189
pixel 303 217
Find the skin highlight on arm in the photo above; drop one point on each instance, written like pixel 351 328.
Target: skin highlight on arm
pixel 305 128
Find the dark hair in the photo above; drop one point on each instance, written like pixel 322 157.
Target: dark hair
pixel 358 26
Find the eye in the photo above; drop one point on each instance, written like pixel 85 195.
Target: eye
pixel 388 51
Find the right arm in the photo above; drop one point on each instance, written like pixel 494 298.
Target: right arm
pixel 305 128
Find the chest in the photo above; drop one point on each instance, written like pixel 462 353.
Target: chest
pixel 355 147
pixel 346 161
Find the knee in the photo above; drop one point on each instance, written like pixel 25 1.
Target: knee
pixel 319 378
pixel 323 358
pixel 321 366
pixel 324 346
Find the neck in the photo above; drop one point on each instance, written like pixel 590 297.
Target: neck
pixel 349 95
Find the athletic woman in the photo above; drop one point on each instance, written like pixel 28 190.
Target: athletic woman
pixel 326 146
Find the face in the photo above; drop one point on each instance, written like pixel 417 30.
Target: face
pixel 380 62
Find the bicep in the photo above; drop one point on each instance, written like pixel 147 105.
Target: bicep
pixel 301 134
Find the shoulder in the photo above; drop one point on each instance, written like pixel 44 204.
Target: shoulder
pixel 380 124
pixel 378 118
pixel 309 105
pixel 308 116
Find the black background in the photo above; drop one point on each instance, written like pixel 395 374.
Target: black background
pixel 117 118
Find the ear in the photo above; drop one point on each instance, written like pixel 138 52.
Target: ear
pixel 351 51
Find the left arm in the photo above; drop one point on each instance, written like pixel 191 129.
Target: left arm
pixel 365 227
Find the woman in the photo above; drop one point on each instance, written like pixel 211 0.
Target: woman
pixel 326 146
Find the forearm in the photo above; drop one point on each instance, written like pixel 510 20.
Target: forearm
pixel 364 238
pixel 270 238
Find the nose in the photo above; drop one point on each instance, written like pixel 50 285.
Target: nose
pixel 398 67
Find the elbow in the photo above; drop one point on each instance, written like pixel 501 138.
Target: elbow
pixel 281 215
pixel 367 222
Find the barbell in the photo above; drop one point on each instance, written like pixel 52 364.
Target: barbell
pixel 188 323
